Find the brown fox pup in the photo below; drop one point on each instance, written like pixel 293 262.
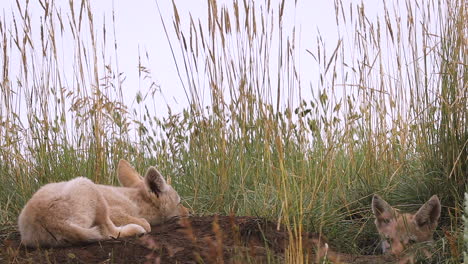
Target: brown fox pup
pixel 403 232
pixel 81 211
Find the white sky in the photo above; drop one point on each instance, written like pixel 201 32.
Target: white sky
pixel 139 28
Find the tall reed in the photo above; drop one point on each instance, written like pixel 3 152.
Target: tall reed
pixel 380 118
pixel 386 114
pixel 465 233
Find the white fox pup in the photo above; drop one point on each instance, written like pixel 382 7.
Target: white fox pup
pixel 403 232
pixel 81 211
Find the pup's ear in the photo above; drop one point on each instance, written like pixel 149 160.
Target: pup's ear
pixel 155 181
pixel 382 210
pixel 127 175
pixel 380 206
pixel 429 213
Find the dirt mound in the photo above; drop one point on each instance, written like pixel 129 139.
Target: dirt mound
pixel 205 239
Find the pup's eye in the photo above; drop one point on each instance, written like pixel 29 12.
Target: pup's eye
pixel 412 241
pixel 386 220
pixel 387 238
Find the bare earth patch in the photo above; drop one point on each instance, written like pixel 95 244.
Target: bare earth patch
pixel 196 239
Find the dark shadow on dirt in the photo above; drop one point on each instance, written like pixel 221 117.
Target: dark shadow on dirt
pixel 196 239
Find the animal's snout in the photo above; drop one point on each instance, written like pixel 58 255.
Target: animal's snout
pixel 397 248
pixel 183 211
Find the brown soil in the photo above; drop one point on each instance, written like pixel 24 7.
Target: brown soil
pixel 205 239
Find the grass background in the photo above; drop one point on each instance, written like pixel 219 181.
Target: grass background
pixel 387 115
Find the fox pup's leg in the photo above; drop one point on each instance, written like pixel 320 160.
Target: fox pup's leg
pixel 122 219
pixel 108 228
pixel 130 230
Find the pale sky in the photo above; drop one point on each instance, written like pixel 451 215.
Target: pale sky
pixel 139 28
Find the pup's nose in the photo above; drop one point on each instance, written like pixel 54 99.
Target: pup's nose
pixel 397 249
pixel 183 211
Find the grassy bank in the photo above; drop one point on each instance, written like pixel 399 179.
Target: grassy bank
pixel 386 115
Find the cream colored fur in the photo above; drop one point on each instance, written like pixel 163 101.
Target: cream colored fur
pixel 406 235
pixel 81 211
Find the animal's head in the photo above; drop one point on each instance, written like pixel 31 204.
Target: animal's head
pixel 155 192
pixel 401 231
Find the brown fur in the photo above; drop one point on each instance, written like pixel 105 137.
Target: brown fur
pixel 81 211
pixel 403 232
